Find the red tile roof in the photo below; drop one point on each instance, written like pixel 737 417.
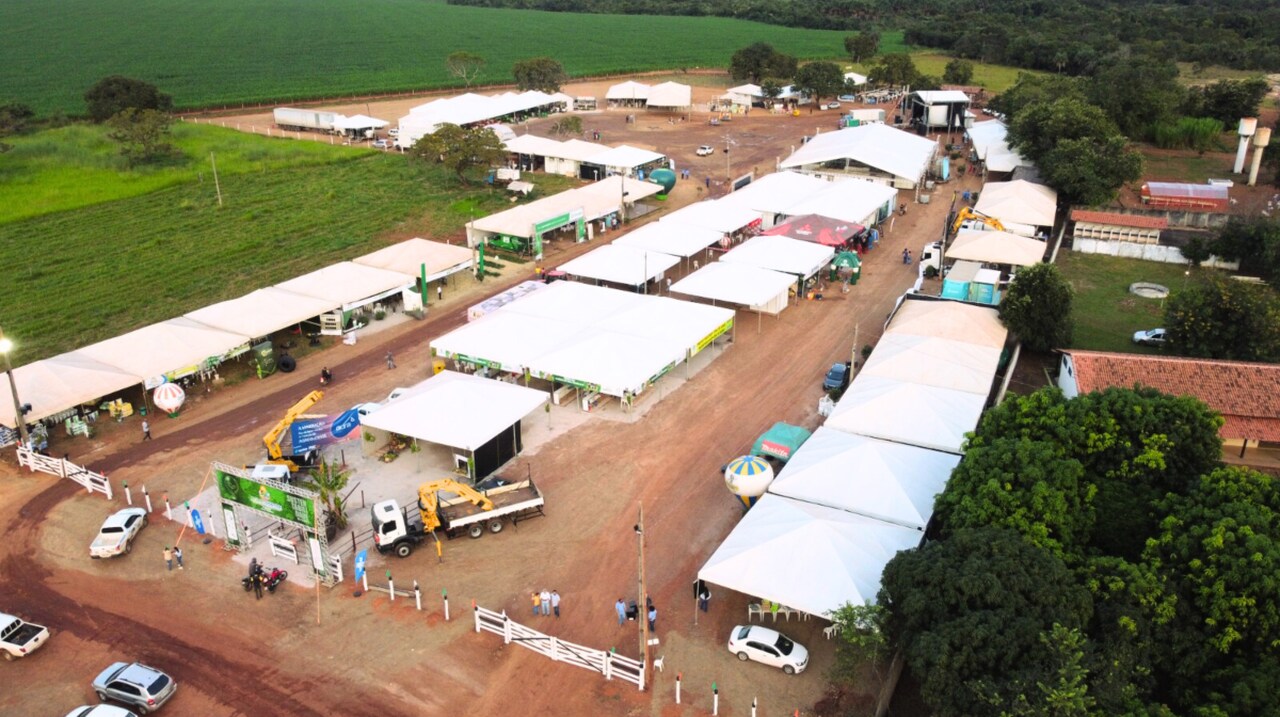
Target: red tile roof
pixel 1246 394
pixel 1122 220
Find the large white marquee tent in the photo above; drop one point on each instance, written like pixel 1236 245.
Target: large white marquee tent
pixel 908 412
pixel 996 248
pixel 714 214
pixel 1020 202
pixel 900 155
pixel 784 254
pixel 56 384
pixel 670 237
pixel 670 95
pixel 759 289
pixel 933 361
pixel 349 284
pixel 262 312
pixel 415 256
pixel 617 264
pixel 155 350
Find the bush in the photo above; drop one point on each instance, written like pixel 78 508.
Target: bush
pixel 1198 133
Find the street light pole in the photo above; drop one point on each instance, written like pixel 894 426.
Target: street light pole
pixel 5 347
pixel 642 607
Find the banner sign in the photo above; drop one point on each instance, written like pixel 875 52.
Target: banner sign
pixel 706 341
pixel 345 423
pixel 309 434
pixel 268 499
pixel 197 522
pixel 362 558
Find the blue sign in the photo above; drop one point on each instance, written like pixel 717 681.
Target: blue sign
pixel 197 521
pixel 345 423
pixel 361 558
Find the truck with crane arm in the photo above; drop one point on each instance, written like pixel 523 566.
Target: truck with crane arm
pixel 275 455
pixel 467 510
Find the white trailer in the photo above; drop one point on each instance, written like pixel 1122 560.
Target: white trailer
pixel 296 120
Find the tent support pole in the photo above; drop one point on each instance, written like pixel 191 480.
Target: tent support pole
pixel 759 321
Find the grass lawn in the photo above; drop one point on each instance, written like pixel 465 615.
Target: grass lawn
pixel 1164 166
pixel 79 276
pixel 1105 313
pixel 995 78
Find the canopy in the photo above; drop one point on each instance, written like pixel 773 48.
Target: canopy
pixel 62 382
pixel 409 256
pixel 991 146
pixel 816 229
pixel 996 248
pixel 670 237
pixel 593 201
pixel 891 482
pixel 359 122
pixel 855 79
pixel 164 347
pixel 852 200
pixel 533 145
pixel 262 312
pixel 734 283
pixel 620 265
pixel 629 90
pixel 670 94
pixel 1019 201
pixel 775 193
pixel 456 409
pixel 626 157
pixel 791 256
pixel 349 284
pixel 901 154
pixel 808 557
pixel 781 441
pixel 714 214
pixel 934 361
pixel 949 320
pixel 908 412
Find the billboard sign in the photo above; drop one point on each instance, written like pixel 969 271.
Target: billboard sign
pixel 296 506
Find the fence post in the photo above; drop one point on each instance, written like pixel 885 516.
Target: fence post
pixel 62 468
pixel 128 494
pixel 715 699
pixel 506 628
pixel 391 587
pixel 677 688
pixel 364 580
pixel 476 614
pixel 248 536
pixel 445 594
pixel 608 664
pixel 753 707
pixel 186 509
pixel 417 595
pixel 168 509
pixel 209 523
pixel 146 497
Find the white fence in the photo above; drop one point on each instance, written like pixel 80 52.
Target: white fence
pixel 335 567
pixel 1146 252
pixel 609 664
pixel 282 547
pixel 63 468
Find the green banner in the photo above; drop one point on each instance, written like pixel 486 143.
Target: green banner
pixel 259 496
pixel 713 336
pixel 547 225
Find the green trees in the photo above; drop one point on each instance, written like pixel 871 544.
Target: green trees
pixel 1227 100
pixel 862 46
pixel 329 480
pixel 1137 92
pixel 14 118
pixel 141 135
pixel 543 74
pixel 111 95
pixel 1077 147
pixel 894 69
pixel 465 66
pixel 1037 308
pixel 1224 319
pixel 820 79
pixel 460 149
pixel 1031 89
pixel 1255 243
pixel 759 60
pixel 958 72
pixel 567 125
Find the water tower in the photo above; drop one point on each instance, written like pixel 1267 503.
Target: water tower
pixel 1248 125
pixel 1260 142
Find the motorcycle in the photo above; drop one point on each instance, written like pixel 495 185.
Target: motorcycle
pixel 274 578
pixel 326 377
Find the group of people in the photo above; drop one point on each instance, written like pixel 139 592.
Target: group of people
pixel 631 612
pixel 546 603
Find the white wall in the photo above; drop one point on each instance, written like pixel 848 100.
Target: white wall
pixel 1146 252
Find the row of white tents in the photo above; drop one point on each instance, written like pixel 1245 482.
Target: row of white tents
pixel 862 487
pixel 471 108
pixel 665 96
pixel 568 157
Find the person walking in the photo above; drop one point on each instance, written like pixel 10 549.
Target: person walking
pixel 555 602
pixel 704 598
pixel 177 555
pixel 668 285
pixel 168 557
pixel 146 430
pixel 906 256
pixel 439 292
pixel 391 361
pixel 621 608
pixel 537 602
pixel 653 618
pixel 545 599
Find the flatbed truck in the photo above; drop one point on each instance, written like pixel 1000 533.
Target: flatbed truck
pixel 452 508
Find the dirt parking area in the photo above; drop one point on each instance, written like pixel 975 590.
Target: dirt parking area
pixel 308 651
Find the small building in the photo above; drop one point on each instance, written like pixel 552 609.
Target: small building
pixel 744 95
pixel 1113 226
pixel 945 109
pixel 873 151
pixel 1186 197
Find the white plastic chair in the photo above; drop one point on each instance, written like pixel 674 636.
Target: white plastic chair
pixel 754 609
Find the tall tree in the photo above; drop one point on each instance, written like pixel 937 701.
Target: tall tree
pixel 460 149
pixel 1037 308
pixel 14 118
pixel 1255 243
pixel 1038 127
pixel 1224 319
pixel 111 95
pixel 862 46
pixel 758 61
pixel 465 66
pixel 820 79
pixel 958 72
pixel 567 125
pixel 543 74
pixel 142 135
pixel 894 69
pixel 1031 89
pixel 1091 170
pixel 1137 92
pixel 1227 100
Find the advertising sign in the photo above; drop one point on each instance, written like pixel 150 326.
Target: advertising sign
pixel 345 423
pixel 706 341
pixel 197 522
pixel 270 500
pixel 362 558
pixel 315 433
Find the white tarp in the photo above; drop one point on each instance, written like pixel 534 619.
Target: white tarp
pixel 510 342
pixel 907 412
pixel 161 348
pixel 620 265
pixel 594 201
pixel 670 94
pixel 934 361
pixel 991 146
pixel 996 248
pixel 62 382
pixel 901 154
pixel 714 214
pixel 533 145
pixel 1019 201
pixel 784 254
pixel 740 284
pixel 409 256
pixel 467 109
pixel 851 200
pixel 456 410
pixel 887 481
pixel 262 312
pixel 855 79
pixel 348 284
pixel 808 557
pixel 625 157
pixel 629 90
pixel 775 193
pixel 949 320
pixel 359 122
pixel 670 237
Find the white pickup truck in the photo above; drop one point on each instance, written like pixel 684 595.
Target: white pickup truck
pixel 18 638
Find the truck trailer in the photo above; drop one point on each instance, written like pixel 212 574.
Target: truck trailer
pixel 465 510
pixel 297 120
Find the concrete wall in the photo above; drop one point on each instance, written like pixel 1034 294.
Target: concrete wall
pixel 1180 218
pixel 1146 252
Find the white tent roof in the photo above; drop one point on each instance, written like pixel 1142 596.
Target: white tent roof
pixel 512 341
pixel 856 78
pixel 908 412
pixel 467 109
pixel 933 361
pixel 670 94
pixel 714 214
pixel 408 257
pixel 885 148
pixel 579 150
pixel 261 312
pixel 991 146
pixel 933 97
pixel 456 409
pixel 805 556
pixel 670 237
pixel 887 481
pixel 747 90
pixel 851 200
pixel 775 193
pixel 629 90
pixel 160 348
pixel 614 361
pixel 594 200
pixel 348 283
pixel 741 284
pixel 359 122
pixel 784 254
pixel 620 265
pixel 996 248
pixel 625 157
pixel 949 320
pixel 1019 201
pixel 532 144
pixel 56 384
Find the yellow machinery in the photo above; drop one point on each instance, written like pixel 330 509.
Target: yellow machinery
pixel 966 213
pixel 272 439
pixel 429 501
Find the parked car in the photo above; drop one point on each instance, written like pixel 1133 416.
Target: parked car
pixel 117 533
pixel 143 688
pixel 393 132
pixel 754 642
pixel 19 638
pixel 381 144
pixel 100 711
pixel 706 150
pixel 836 377
pixel 831 106
pixel 1150 337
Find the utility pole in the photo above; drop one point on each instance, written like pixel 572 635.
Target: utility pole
pixel 642 606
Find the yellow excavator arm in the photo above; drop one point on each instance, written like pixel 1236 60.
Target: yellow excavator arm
pixel 966 213
pixel 429 501
pixel 272 439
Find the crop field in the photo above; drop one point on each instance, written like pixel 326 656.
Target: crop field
pixel 227 52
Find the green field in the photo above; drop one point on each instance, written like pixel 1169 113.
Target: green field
pixel 1105 313
pixel 227 52
pixel 79 276
pixel 994 78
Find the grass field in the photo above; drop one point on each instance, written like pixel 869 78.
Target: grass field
pixel 1105 313
pixel 226 52
pixel 995 78
pixel 79 276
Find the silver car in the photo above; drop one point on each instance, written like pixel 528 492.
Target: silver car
pixel 143 688
pixel 117 533
pixel 100 711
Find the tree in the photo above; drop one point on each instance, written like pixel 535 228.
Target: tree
pixel 14 118
pixel 862 46
pixel 1255 243
pixel 758 61
pixel 465 66
pixel 1137 92
pixel 820 79
pixel 460 149
pixel 329 479
pixel 862 639
pixel 112 95
pixel 1224 319
pixel 894 69
pixel 1031 89
pixel 958 72
pixel 968 613
pixel 567 125
pixel 1091 171
pixel 1227 100
pixel 141 135
pixel 771 87
pixel 539 73
pixel 1037 308
pixel 1038 127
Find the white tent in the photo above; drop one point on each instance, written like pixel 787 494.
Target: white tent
pixel 62 382
pixel 887 481
pixel 744 95
pixel 614 363
pixel 625 158
pixel 507 341
pixel 902 155
pixel 468 109
pixel 855 79
pixel 714 214
pixel 908 412
pixel 934 361
pixel 349 284
pixel 173 345
pixel 760 289
pixel 1019 201
pixel 681 324
pixel 791 256
pixel 456 410
pixel 949 320
pixel 620 265
pixel 775 194
pixel 629 90
pixel 357 122
pixel 593 201
pixel 852 200
pixel 670 237
pixel 991 146
pixel 808 557
pixel 672 95
pixel 533 145
pixel 996 248
pixel 411 255
pixel 262 312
